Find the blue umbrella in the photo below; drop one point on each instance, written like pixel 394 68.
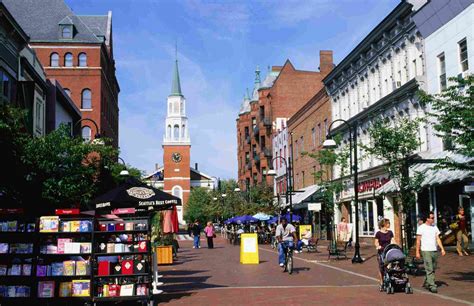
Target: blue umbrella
pixel 245 219
pixel 229 221
pixel 273 220
pixel 262 217
pixel 295 218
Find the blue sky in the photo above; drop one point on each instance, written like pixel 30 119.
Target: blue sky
pixel 220 43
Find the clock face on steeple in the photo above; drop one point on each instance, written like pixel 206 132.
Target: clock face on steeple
pixel 176 157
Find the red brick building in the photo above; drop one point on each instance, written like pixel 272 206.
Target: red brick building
pixel 283 92
pixel 77 51
pixel 309 128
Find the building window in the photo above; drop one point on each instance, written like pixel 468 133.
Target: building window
pixel 296 149
pixel 325 128
pixel 86 99
pixel 463 59
pixel 82 60
pixel 39 117
pixel 302 177
pixel 177 192
pixel 320 139
pixel 67 91
pixel 86 133
pixel 302 144
pixel 5 85
pixel 66 32
pixel 182 131
pixel 169 131
pixel 313 136
pixel 54 60
pixel 68 60
pixel 442 72
pixel 366 218
pixel 176 132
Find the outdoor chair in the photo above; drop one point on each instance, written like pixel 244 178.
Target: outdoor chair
pixel 337 249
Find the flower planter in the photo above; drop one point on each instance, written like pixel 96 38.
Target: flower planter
pixel 164 254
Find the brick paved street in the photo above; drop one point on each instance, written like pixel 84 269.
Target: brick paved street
pixel 215 277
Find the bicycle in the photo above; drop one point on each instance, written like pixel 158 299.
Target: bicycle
pixel 288 265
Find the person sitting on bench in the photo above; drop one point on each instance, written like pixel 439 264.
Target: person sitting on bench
pixel 305 240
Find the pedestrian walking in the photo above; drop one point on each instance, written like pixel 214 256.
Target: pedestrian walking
pixel 462 241
pixel 383 238
pixel 210 235
pixel 427 240
pixel 342 230
pixel 196 234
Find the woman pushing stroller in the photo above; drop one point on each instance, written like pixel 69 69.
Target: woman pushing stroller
pixel 383 238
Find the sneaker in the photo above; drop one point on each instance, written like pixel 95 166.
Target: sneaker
pixel 281 265
pixel 433 290
pixel 194 247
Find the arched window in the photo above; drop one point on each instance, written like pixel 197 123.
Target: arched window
pixel 66 32
pixel 86 133
pixel 66 90
pixel 86 99
pixel 177 192
pixel 68 60
pixel 182 131
pixel 82 60
pixel 176 132
pixel 54 60
pixel 169 131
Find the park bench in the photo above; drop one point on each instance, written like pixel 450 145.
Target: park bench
pixel 337 249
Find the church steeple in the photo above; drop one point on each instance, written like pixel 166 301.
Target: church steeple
pixel 176 121
pixel 176 85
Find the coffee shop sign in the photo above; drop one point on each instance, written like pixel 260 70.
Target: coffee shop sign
pixel 364 187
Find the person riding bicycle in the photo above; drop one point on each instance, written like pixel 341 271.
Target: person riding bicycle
pixel 286 235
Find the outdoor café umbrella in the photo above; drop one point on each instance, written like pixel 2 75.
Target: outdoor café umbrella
pixel 262 216
pixel 134 194
pixel 294 218
pixel 229 221
pixel 245 219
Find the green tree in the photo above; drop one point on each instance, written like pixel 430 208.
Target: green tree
pixel 394 144
pixel 453 117
pixel 67 169
pixel 199 206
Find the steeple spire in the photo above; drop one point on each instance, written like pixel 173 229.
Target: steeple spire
pixel 176 85
pixel 257 77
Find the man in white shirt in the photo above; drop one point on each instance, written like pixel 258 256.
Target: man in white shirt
pixel 427 237
pixel 286 235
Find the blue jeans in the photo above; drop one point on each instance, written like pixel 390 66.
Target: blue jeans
pixel 196 241
pixel 281 250
pixel 299 245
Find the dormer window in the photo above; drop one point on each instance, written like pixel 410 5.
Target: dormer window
pixel 66 32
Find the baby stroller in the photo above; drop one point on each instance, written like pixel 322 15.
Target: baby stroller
pixel 394 277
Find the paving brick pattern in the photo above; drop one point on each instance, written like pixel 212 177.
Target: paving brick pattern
pixel 215 277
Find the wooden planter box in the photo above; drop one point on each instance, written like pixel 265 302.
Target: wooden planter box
pixel 164 254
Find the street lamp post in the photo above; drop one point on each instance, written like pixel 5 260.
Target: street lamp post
pixel 124 172
pixel 97 134
pixel 330 143
pixel 289 185
pixel 247 189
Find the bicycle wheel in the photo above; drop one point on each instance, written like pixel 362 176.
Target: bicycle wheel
pixel 289 264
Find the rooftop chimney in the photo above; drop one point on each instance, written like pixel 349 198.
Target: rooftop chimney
pixel 196 166
pixel 157 166
pixel 325 61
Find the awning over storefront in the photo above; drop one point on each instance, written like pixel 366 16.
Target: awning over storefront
pixel 432 175
pixel 302 196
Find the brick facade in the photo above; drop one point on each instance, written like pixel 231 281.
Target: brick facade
pixel 309 128
pixel 98 77
pixel 290 90
pixel 177 173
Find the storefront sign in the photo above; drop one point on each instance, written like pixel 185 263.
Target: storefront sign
pixel 123 211
pixel 73 211
pixel 140 192
pixel 314 206
pixel 364 187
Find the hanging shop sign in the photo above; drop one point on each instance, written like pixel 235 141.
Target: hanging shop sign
pixel 314 206
pixel 140 192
